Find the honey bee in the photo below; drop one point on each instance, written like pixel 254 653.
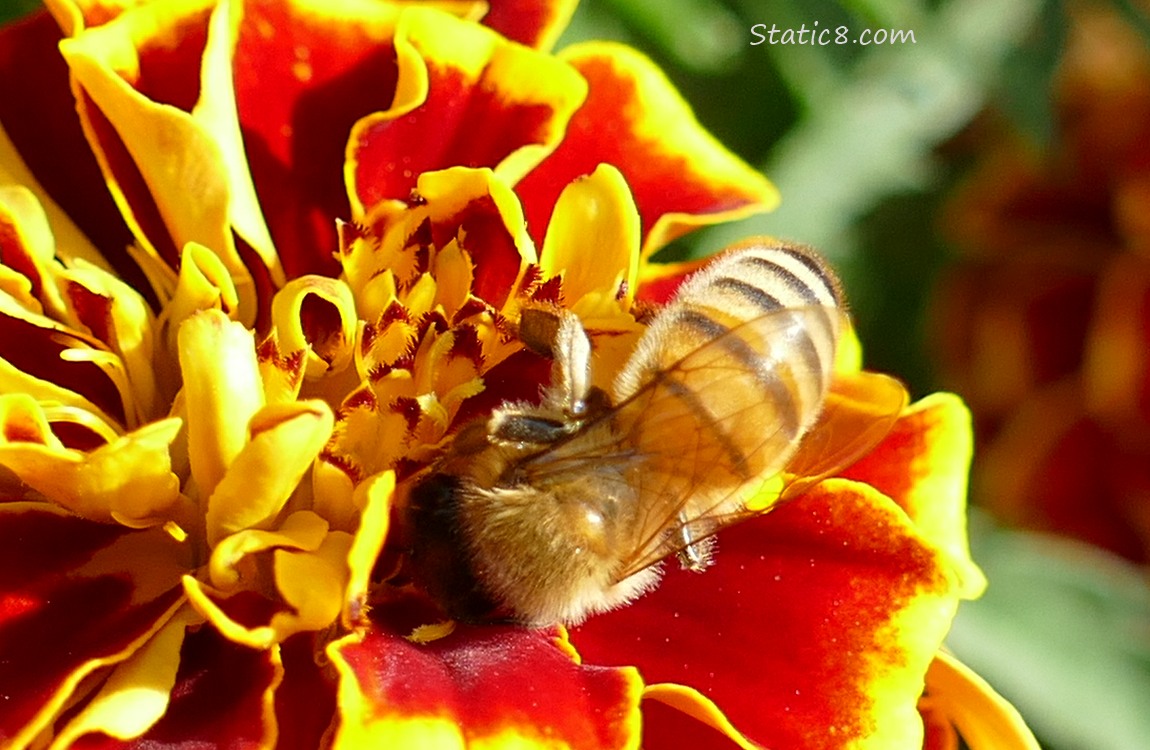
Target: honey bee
pixel 728 406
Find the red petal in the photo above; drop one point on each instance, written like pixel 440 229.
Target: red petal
pixel 71 600
pixel 634 120
pixel 790 633
pixel 305 701
pixel 536 23
pixel 658 282
pixel 487 682
pixel 303 77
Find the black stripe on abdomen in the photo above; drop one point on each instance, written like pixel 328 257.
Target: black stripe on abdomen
pixel 753 362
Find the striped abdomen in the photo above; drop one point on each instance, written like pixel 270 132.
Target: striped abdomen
pixel 733 371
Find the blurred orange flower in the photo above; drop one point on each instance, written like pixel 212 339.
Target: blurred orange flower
pixel 1044 323
pixel 250 292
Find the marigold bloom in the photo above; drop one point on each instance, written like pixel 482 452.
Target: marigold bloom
pixel 1043 324
pixel 213 395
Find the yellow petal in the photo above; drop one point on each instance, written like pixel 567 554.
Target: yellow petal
pixel 68 241
pixel 313 583
pixel 285 440
pixel 129 480
pixel 203 284
pixel 128 329
pixel 984 718
pixel 137 692
pixel 174 152
pixel 222 391
pixel 317 315
pixel 375 495
pixel 302 530
pixel 593 241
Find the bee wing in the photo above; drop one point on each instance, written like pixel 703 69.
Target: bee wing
pixel 715 423
pixel 859 410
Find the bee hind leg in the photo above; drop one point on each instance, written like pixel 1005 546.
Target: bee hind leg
pixel 694 554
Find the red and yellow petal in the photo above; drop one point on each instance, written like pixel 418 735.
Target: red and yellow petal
pixel 536 23
pixel 491 687
pixel 150 85
pixel 57 570
pixel 304 73
pixel 813 629
pixel 136 692
pixel 464 97
pixel 633 118
pixel 965 701
pixel 43 147
pixel 922 465
pixel 224 696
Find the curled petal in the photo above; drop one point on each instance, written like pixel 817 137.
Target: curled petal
pixel 204 284
pixel 302 530
pixel 317 315
pixel 159 143
pixel 680 175
pixel 129 480
pixel 284 441
pixel 313 584
pixel 465 96
pixel 479 687
pixel 309 573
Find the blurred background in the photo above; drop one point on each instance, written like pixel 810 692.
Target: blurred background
pixel 980 174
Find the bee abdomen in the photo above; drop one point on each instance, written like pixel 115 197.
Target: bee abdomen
pixel 746 347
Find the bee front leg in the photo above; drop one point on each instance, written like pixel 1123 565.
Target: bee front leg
pixel 561 333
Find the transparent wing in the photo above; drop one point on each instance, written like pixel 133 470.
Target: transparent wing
pixel 859 410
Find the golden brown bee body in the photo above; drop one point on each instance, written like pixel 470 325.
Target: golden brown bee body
pixel 553 512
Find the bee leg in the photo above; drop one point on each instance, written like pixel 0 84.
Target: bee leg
pixel 694 554
pixel 560 333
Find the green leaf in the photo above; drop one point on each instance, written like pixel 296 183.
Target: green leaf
pixel 13 9
pixel 872 133
pixel 1064 633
